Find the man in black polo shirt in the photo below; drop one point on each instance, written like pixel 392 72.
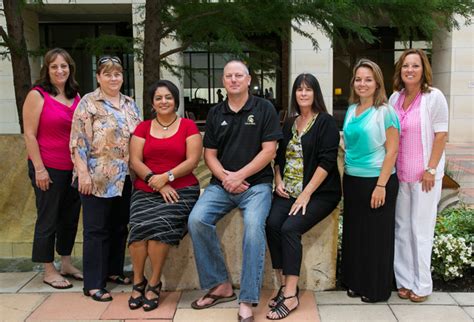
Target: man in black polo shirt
pixel 240 142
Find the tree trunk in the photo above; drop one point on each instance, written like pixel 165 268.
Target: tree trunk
pixel 151 50
pixel 18 53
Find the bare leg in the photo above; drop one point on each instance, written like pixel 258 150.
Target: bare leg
pixel 68 269
pixel 138 254
pixel 157 251
pixel 245 310
pixel 51 275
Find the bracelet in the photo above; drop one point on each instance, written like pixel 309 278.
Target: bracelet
pixel 42 170
pixel 381 186
pixel 148 176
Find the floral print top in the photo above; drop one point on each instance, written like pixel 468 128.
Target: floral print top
pixel 101 134
pixel 293 173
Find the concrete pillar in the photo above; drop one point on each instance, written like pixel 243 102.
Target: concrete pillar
pixel 305 59
pixel 453 74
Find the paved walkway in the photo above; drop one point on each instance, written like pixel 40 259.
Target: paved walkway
pixel 25 298
pixel 460 164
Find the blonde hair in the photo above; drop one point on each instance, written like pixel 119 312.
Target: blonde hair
pixel 380 96
pixel 426 76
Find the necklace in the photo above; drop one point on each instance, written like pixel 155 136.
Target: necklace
pixel 165 127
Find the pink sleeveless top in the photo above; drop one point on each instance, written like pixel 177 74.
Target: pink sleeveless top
pixel 53 133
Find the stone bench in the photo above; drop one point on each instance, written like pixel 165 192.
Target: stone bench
pixel 18 215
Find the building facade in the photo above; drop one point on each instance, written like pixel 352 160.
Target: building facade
pixel 62 23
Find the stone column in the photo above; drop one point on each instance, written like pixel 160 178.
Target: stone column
pixel 305 59
pixel 453 74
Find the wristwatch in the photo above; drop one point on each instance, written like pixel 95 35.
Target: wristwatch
pixel 170 176
pixel 431 171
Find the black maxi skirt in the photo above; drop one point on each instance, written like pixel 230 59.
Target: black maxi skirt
pixel 368 238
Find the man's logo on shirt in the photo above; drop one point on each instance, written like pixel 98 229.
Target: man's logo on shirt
pixel 224 123
pixel 250 120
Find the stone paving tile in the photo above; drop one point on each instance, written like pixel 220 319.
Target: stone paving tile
pixel 339 297
pixel 118 308
pixel 36 285
pixel 69 306
pixel 17 307
pixel 207 315
pixel 436 298
pixel 12 282
pixel 469 310
pixel 187 297
pixel 429 313
pixel 362 313
pixel 463 298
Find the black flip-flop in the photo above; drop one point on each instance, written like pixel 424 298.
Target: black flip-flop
pixel 76 276
pixel 216 300
pixel 58 287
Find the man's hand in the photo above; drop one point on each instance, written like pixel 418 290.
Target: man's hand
pixel 233 183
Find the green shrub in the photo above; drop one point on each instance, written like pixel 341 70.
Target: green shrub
pixel 458 222
pixel 453 242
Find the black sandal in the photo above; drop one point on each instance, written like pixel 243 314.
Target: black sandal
pixel 282 310
pixel 277 298
pixel 99 295
pixel 137 302
pixel 152 304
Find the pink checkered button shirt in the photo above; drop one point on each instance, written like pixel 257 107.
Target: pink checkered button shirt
pixel 410 153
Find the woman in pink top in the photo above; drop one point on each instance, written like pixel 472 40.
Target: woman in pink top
pixel 47 117
pixel 423 114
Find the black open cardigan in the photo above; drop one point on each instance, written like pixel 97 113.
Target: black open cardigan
pixel 320 148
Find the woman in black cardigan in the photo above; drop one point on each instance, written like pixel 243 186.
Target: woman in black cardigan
pixel 307 187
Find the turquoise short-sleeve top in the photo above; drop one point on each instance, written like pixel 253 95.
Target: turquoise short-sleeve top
pixel 364 139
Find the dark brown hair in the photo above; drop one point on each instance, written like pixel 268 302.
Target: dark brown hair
pixel 71 87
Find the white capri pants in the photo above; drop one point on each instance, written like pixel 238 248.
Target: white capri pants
pixel 415 219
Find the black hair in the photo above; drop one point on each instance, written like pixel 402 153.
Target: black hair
pixel 318 101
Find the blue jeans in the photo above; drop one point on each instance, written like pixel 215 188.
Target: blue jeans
pixel 212 206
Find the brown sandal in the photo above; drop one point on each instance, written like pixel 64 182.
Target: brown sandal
pixel 404 293
pixel 416 298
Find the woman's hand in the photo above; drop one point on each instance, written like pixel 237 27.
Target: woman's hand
pixel 42 179
pixel 85 182
pixel 427 181
pixel 158 181
pixel 281 191
pixel 169 194
pixel 300 203
pixel 378 197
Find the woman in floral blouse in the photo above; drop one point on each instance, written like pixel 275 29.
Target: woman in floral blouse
pixel 101 130
pixel 308 187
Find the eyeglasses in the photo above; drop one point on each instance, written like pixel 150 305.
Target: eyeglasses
pixel 113 59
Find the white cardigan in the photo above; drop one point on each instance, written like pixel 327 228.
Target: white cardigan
pixel 434 118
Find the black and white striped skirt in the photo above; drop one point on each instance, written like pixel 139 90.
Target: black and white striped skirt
pixel 151 218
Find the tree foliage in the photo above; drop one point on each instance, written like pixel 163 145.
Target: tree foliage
pixel 232 26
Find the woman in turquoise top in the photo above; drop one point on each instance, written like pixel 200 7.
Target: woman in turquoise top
pixel 371 134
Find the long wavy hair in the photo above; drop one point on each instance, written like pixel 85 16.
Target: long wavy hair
pixel 71 87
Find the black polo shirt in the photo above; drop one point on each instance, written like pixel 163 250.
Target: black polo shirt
pixel 238 137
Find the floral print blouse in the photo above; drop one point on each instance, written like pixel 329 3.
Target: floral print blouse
pixel 293 173
pixel 101 134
